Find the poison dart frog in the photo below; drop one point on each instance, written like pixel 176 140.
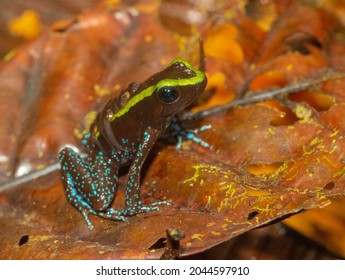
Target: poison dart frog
pixel 123 133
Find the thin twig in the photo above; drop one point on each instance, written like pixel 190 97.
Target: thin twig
pixel 260 96
pixel 31 176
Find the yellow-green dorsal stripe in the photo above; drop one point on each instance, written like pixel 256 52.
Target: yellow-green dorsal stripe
pixel 199 77
pixel 134 100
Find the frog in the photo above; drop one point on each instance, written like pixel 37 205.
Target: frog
pixel 123 134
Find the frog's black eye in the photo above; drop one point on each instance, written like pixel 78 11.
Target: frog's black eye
pixel 168 94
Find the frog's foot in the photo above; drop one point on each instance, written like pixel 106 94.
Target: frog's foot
pixel 154 206
pixel 86 218
pixel 180 132
pixel 121 215
pixel 116 215
pixel 86 209
pixel 79 203
pixel 113 214
pixel 191 135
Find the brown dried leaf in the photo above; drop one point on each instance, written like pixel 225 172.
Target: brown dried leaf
pixel 268 160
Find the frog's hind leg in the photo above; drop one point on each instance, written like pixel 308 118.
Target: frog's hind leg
pixel 178 131
pixel 90 184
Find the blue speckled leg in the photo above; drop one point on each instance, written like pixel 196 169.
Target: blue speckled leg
pixel 90 184
pixel 133 202
pixel 180 132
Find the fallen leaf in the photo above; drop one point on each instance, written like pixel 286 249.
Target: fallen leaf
pixel 267 161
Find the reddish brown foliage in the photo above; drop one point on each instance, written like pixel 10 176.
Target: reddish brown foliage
pixel 267 161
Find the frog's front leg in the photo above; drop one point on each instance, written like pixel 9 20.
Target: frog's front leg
pixel 133 202
pixel 90 184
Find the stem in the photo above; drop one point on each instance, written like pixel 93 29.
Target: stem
pixel 31 176
pixel 259 97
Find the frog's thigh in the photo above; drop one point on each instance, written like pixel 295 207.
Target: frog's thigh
pixel 89 184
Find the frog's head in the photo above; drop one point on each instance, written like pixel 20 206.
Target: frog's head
pixel 165 93
pixel 178 86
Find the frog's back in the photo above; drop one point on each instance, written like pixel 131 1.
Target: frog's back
pixel 102 130
pixel 120 125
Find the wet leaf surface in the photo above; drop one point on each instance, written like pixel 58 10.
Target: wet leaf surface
pixel 267 160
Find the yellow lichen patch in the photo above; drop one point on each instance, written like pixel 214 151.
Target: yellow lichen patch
pixel 318 100
pixel 222 43
pixel 208 200
pixel 339 173
pixel 101 91
pixel 303 113
pixel 77 133
pixel 40 166
pixel 117 87
pixel 314 145
pixel 335 133
pixel 270 131
pixel 227 204
pixel 230 190
pixel 27 25
pixel 10 55
pixel 88 120
pixel 39 238
pixel 197 168
pixel 211 224
pixel 327 160
pixel 197 236
pixel 283 167
pixel 263 207
pixel 268 79
pixel 224 226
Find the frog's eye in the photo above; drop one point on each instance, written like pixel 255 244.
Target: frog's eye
pixel 168 94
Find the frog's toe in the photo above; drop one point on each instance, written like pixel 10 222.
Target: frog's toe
pixel 85 213
pixel 192 136
pixel 202 128
pixel 163 202
pixel 113 214
pixel 154 206
pixel 132 211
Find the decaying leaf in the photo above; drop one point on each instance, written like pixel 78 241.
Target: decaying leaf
pixel 267 160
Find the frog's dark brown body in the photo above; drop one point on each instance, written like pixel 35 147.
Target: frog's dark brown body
pixel 123 133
